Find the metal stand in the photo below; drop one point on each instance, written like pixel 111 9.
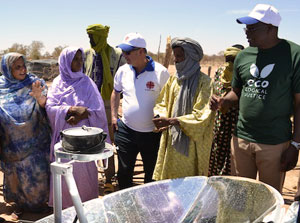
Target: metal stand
pixel 59 169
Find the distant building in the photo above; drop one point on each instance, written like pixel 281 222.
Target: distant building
pixel 45 68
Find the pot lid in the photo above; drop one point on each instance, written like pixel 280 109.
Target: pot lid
pixel 82 131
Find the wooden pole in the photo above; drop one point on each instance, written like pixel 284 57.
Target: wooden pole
pixel 158 48
pixel 168 52
pixel 209 70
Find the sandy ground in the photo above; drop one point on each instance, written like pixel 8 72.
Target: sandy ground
pixel 289 190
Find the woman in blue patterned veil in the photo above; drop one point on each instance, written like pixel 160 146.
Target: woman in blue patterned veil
pixel 24 135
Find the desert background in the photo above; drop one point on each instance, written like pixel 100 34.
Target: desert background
pixel 45 66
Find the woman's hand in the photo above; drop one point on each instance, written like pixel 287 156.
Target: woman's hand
pixel 76 114
pixel 79 111
pixel 73 120
pixel 36 92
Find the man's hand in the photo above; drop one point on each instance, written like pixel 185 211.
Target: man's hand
pixel 163 123
pixel 215 102
pixel 114 124
pixel 115 101
pixel 289 159
pixel 224 103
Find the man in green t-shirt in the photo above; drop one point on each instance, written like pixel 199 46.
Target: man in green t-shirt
pixel 266 85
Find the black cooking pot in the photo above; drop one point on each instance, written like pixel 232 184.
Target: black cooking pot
pixel 83 139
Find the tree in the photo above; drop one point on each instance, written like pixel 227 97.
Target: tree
pixel 35 50
pixel 47 55
pixel 221 53
pixel 57 51
pixel 19 48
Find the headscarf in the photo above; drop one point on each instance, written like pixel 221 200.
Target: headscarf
pixel 8 83
pixel 20 114
pixel 188 74
pixel 73 89
pixel 226 75
pixel 65 60
pixel 99 34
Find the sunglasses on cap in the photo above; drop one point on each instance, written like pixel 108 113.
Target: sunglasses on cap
pixel 128 52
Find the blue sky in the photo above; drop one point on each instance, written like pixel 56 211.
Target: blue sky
pixel 210 22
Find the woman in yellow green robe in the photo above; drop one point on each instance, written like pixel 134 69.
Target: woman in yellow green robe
pixel 185 118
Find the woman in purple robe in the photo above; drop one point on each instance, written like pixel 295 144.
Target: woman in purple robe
pixel 73 101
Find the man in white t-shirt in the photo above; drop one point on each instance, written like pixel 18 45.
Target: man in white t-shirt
pixel 140 81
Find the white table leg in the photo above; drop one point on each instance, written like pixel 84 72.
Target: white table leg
pixel 75 197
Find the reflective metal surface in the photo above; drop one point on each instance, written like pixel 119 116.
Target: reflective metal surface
pixel 190 199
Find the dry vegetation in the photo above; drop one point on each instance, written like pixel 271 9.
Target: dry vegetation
pixel 33 52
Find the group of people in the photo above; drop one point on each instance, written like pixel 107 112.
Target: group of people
pixel 32 118
pixel 182 125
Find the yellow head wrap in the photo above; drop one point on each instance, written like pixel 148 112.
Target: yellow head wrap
pixel 99 33
pixel 226 76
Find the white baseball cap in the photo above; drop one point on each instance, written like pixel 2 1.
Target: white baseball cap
pixel 131 41
pixel 262 13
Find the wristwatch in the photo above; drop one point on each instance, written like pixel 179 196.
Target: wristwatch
pixel 295 144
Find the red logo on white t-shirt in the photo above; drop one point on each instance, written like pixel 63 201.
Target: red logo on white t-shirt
pixel 150 85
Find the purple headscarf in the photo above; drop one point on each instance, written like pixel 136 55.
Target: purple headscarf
pixel 73 89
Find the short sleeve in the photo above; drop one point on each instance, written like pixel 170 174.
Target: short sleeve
pixel 296 74
pixel 164 76
pixel 118 81
pixel 236 79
